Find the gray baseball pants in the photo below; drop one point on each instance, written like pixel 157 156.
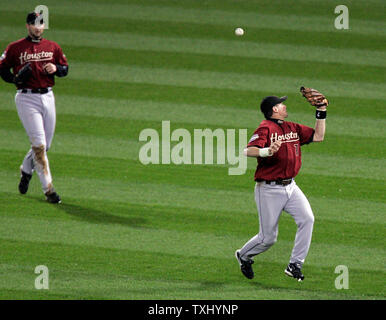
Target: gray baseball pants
pixel 271 200
pixel 38 116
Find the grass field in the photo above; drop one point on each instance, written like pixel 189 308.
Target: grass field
pixel 129 231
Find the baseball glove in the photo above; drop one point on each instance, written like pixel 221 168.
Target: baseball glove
pixel 24 74
pixel 314 97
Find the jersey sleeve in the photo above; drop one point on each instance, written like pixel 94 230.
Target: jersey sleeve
pixel 60 58
pixel 306 134
pixel 259 138
pixel 60 62
pixel 6 59
pixel 6 64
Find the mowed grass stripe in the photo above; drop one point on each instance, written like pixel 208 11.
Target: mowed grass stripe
pixel 326 206
pixel 367 10
pixel 327 229
pixel 207 62
pixel 76 144
pixel 211 196
pixel 234 48
pixel 282 20
pixel 126 280
pixel 192 176
pixel 183 243
pixel 221 80
pixel 170 98
pixel 200 31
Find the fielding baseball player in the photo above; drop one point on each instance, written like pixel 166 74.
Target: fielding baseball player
pixel 35 62
pixel 277 146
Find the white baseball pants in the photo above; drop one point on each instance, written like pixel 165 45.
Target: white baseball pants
pixel 271 200
pixel 38 116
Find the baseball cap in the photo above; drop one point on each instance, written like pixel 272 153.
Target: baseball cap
pixel 268 102
pixel 33 16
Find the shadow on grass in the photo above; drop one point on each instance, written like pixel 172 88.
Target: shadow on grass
pixel 98 216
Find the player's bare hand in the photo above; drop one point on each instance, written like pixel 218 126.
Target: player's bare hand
pixel 50 68
pixel 275 146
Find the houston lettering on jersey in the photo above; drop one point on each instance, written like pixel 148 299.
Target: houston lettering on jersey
pixel 37 56
pixel 288 137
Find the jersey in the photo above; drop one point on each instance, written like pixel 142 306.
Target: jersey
pixel 286 162
pixel 38 54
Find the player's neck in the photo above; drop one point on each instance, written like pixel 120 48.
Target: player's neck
pixel 33 38
pixel 276 120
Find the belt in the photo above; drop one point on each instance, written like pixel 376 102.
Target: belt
pixel 37 90
pixel 282 182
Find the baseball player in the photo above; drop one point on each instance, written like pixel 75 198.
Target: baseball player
pixel 276 144
pixel 35 62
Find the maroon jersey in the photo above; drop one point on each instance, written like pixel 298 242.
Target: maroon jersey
pixel 287 161
pixel 18 53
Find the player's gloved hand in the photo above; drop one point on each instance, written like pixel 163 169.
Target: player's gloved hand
pixel 314 97
pixel 24 74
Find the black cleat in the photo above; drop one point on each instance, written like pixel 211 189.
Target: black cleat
pixel 294 270
pixel 53 197
pixel 24 182
pixel 245 266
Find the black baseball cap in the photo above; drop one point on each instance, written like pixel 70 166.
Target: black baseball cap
pixel 268 102
pixel 32 16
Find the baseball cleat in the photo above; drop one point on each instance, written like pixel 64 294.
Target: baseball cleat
pixel 245 266
pixel 53 197
pixel 24 182
pixel 294 270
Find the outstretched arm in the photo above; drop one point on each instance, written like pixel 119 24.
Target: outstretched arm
pixel 320 124
pixel 262 152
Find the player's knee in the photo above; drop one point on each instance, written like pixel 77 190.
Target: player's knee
pixel 270 241
pixel 308 220
pixel 39 152
pixel 39 148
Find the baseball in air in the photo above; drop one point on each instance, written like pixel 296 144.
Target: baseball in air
pixel 239 31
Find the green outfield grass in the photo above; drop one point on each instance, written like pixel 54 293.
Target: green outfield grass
pixel 129 231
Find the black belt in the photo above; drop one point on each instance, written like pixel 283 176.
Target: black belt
pixel 37 90
pixel 282 182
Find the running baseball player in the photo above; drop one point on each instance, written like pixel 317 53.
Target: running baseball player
pixel 276 144
pixel 35 62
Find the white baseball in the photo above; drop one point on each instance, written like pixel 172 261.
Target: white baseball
pixel 239 31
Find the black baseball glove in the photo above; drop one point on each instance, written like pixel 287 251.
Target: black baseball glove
pixel 24 74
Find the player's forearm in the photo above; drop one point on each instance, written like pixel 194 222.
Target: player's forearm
pixel 262 152
pixel 61 71
pixel 252 152
pixel 320 125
